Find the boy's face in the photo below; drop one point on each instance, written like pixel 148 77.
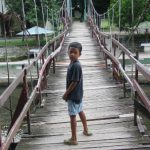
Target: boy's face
pixel 73 53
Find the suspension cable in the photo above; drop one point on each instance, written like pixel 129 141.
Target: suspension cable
pixel 106 11
pixel 104 14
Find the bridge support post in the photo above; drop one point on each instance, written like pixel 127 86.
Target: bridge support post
pixel 26 95
pixel 124 80
pixel 136 70
pixel 135 109
pixel 49 48
pixel 106 61
pixel 54 59
pixel 54 70
pixel 28 122
pixel 136 95
pixel 104 44
pixel 37 68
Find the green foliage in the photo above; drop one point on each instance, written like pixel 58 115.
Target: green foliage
pixel 105 24
pixel 126 12
pixel 20 42
pixel 52 5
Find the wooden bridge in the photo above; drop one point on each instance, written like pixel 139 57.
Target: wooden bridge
pixel 112 117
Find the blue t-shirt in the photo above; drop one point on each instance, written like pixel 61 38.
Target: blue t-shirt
pixel 74 74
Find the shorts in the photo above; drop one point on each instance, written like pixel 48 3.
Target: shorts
pixel 73 108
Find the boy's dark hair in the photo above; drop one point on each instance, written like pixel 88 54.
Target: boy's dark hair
pixel 76 45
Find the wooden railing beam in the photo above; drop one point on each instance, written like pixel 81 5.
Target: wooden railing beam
pixel 142 94
pixel 6 94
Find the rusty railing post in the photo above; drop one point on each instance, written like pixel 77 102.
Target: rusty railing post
pixel 29 122
pixel 49 48
pixel 104 44
pixel 40 95
pixel 37 68
pixel 135 109
pixel 27 95
pixel 106 61
pixel 92 31
pixel 54 58
pixel 42 59
pixel 136 94
pixel 124 81
pixel 113 70
pixel 114 45
pixel 136 70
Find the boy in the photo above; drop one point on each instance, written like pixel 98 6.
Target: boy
pixel 74 92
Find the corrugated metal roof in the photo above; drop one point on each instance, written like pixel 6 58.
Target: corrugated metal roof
pixel 35 31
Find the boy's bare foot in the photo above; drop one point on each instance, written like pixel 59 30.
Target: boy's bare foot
pixel 70 142
pixel 87 133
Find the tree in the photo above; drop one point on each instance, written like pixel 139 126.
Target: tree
pixel 16 6
pixel 7 21
pixel 140 6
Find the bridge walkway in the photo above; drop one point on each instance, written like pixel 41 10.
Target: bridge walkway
pixel 109 115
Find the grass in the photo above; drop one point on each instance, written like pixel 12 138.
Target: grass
pixel 20 42
pixel 105 25
pixel 17 42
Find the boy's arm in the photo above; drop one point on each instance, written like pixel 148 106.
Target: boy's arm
pixel 70 89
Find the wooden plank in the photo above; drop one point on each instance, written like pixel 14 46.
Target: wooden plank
pixel 140 126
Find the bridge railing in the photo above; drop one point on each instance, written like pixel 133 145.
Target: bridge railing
pixel 141 100
pixel 43 61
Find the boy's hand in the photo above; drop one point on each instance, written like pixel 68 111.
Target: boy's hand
pixel 65 96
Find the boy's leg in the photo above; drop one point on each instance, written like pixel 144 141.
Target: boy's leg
pixel 83 119
pixel 73 128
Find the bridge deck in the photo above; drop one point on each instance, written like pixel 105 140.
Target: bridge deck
pixel 104 106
